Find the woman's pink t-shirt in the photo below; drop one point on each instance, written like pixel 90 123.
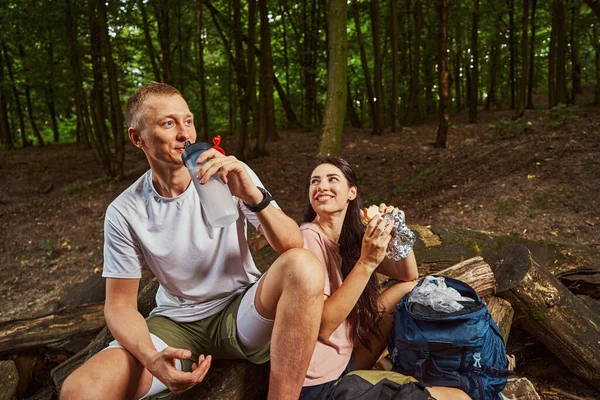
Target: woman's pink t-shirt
pixel 329 358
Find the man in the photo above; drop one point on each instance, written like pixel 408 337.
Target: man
pixel 212 300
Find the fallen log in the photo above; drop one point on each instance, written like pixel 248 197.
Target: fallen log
pixel 502 313
pixel 475 272
pixel 9 379
pixel 582 280
pixel 561 321
pixel 236 380
pixel 27 333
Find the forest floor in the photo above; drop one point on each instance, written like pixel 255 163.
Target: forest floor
pixel 540 181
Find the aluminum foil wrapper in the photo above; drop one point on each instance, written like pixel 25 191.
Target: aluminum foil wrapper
pixel 403 239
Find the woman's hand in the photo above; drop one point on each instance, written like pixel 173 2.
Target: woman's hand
pixel 375 242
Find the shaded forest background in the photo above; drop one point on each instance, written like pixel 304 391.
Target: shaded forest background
pixel 252 68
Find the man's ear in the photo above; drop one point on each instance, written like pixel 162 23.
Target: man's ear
pixel 135 137
pixel 352 193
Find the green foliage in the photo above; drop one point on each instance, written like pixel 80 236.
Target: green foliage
pixel 505 129
pixel 561 114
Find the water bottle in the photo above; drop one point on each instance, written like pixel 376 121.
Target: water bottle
pixel 215 197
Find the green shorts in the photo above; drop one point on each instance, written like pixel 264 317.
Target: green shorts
pixel 215 335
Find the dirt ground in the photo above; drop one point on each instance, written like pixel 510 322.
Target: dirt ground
pixel 541 184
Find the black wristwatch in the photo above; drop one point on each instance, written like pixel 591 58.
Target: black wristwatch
pixel 267 198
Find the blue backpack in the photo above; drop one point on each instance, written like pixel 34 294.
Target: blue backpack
pixel 462 349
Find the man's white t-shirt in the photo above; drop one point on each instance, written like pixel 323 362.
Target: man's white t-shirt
pixel 200 269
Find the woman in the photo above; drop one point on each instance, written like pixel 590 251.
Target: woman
pixel 356 320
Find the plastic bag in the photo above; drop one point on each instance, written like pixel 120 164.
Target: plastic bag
pixel 434 292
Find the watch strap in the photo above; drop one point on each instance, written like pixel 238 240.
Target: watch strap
pixel 267 198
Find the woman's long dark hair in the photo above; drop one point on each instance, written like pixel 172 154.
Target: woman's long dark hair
pixel 364 317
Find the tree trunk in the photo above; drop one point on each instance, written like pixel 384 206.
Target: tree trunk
pixel 250 79
pixel 413 95
pixel 444 76
pixel 81 106
pixel 364 63
pixel 161 13
pixel 309 56
pixel 6 138
pixel 597 63
pixel 474 87
pixel 286 61
pixel 337 80
pixel 148 40
pixel 203 125
pixel 24 141
pixel 512 50
pixel 552 59
pixel 113 86
pixel 575 65
pixel 395 63
pixel 524 63
pixel 494 56
pixel 458 62
pixel 180 43
pixel 378 124
pixel 266 118
pixel 36 130
pixel 531 58
pixel 561 321
pixel 350 110
pixel 50 88
pixel 101 135
pixel 560 56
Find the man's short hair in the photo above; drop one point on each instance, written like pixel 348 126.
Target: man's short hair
pixel 135 104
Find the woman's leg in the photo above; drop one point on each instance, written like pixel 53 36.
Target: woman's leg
pixel 447 393
pixel 387 301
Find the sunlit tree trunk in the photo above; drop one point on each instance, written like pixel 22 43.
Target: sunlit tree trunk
pixel 531 58
pixel 378 124
pixel 444 76
pixel 474 64
pixel 203 125
pixel 337 79
pixel 524 62
pixel 413 94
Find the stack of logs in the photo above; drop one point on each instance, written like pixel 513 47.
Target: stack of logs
pixel 512 282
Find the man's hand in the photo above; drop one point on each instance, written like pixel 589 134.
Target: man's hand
pixel 162 366
pixel 232 172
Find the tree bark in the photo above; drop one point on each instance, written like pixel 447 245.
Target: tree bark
pixel 395 63
pixel 201 73
pixel 512 50
pixel 161 13
pixel 413 95
pixel 34 126
pixel 378 124
pixel 520 388
pixel 50 88
pixel 363 61
pixel 337 80
pixel 531 58
pixel 561 321
pixel 458 63
pixel 494 56
pixel 286 61
pixel 148 40
pixel 29 333
pixel 5 133
pixel 266 118
pixel 502 313
pixel 474 86
pixel 350 110
pixel 597 63
pixel 117 122
pixel 81 106
pixel 444 76
pixel 24 141
pixel 557 73
pixel 522 99
pixel 474 271
pixel 574 48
